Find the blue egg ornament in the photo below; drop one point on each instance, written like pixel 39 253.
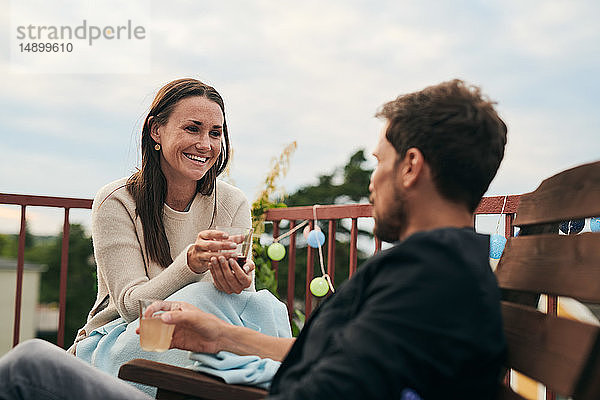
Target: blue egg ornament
pixel 316 238
pixel 595 224
pixel 276 251
pixel 497 243
pixel 319 286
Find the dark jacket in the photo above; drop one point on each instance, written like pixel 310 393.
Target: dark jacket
pixel 423 315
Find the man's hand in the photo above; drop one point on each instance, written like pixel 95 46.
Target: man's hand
pixel 195 330
pixel 201 332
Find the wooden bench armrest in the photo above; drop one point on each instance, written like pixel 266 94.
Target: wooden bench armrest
pixel 506 393
pixel 172 379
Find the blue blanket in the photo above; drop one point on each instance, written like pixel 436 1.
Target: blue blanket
pixel 115 343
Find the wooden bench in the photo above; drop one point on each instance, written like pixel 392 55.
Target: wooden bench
pixel 563 354
pixel 175 383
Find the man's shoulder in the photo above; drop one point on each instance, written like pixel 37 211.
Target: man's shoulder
pixel 445 252
pixel 449 236
pixel 443 239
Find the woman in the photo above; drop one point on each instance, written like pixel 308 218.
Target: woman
pixel 152 231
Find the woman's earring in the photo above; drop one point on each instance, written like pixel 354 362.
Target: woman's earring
pixel 157 147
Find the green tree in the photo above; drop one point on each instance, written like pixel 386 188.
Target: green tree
pixel 81 278
pixel 353 186
pixel 9 244
pixel 355 176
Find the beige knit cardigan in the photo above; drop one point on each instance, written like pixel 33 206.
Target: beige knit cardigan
pixel 125 273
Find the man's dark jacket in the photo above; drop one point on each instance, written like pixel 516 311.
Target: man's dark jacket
pixel 422 316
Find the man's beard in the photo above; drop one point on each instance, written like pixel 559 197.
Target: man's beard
pixel 390 224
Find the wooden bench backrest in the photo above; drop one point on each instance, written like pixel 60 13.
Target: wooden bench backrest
pixel 562 354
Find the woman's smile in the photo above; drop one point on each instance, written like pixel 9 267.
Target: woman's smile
pixel 196 159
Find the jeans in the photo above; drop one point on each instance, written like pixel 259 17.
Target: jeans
pixel 36 369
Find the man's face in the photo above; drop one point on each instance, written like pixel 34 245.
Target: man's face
pixel 389 208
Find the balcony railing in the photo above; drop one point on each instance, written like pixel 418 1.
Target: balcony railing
pixel 505 205
pixel 43 201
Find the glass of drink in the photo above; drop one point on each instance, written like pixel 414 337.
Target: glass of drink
pixel 155 335
pixel 242 237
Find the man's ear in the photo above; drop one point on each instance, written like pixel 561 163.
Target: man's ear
pixel 154 132
pixel 411 167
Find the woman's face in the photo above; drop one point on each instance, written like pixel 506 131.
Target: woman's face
pixel 190 140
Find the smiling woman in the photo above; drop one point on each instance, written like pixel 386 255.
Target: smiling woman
pixel 153 232
pixel 189 144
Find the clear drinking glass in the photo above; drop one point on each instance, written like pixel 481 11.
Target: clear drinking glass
pixel 242 237
pixel 155 335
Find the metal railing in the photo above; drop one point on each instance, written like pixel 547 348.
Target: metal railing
pixel 506 205
pixel 43 201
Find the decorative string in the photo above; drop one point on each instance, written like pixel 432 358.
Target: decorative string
pixel 321 262
pixel 501 213
pixel 325 275
pixel 288 233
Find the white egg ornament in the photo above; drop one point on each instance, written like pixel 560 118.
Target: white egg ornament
pixel 306 231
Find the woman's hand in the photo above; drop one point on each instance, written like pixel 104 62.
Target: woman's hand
pixel 209 244
pixel 195 330
pixel 228 276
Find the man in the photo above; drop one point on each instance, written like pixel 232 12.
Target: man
pixel 423 317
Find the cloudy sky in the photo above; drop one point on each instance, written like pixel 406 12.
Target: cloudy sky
pixel 312 71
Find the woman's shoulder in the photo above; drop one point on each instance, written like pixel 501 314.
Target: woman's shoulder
pixel 226 191
pixel 230 198
pixel 115 190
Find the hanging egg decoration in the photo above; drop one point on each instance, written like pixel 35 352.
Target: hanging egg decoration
pixel 494 264
pixel 306 232
pixel 595 224
pixel 316 238
pixel 276 251
pixel 572 227
pixel 319 286
pixel 497 243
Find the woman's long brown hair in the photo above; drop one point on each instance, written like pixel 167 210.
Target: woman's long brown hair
pixel 148 185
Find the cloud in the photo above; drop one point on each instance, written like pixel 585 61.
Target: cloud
pixel 316 72
pixel 550 30
pixel 37 173
pixel 540 145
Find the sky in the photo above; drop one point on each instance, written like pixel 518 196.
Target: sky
pixel 314 72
